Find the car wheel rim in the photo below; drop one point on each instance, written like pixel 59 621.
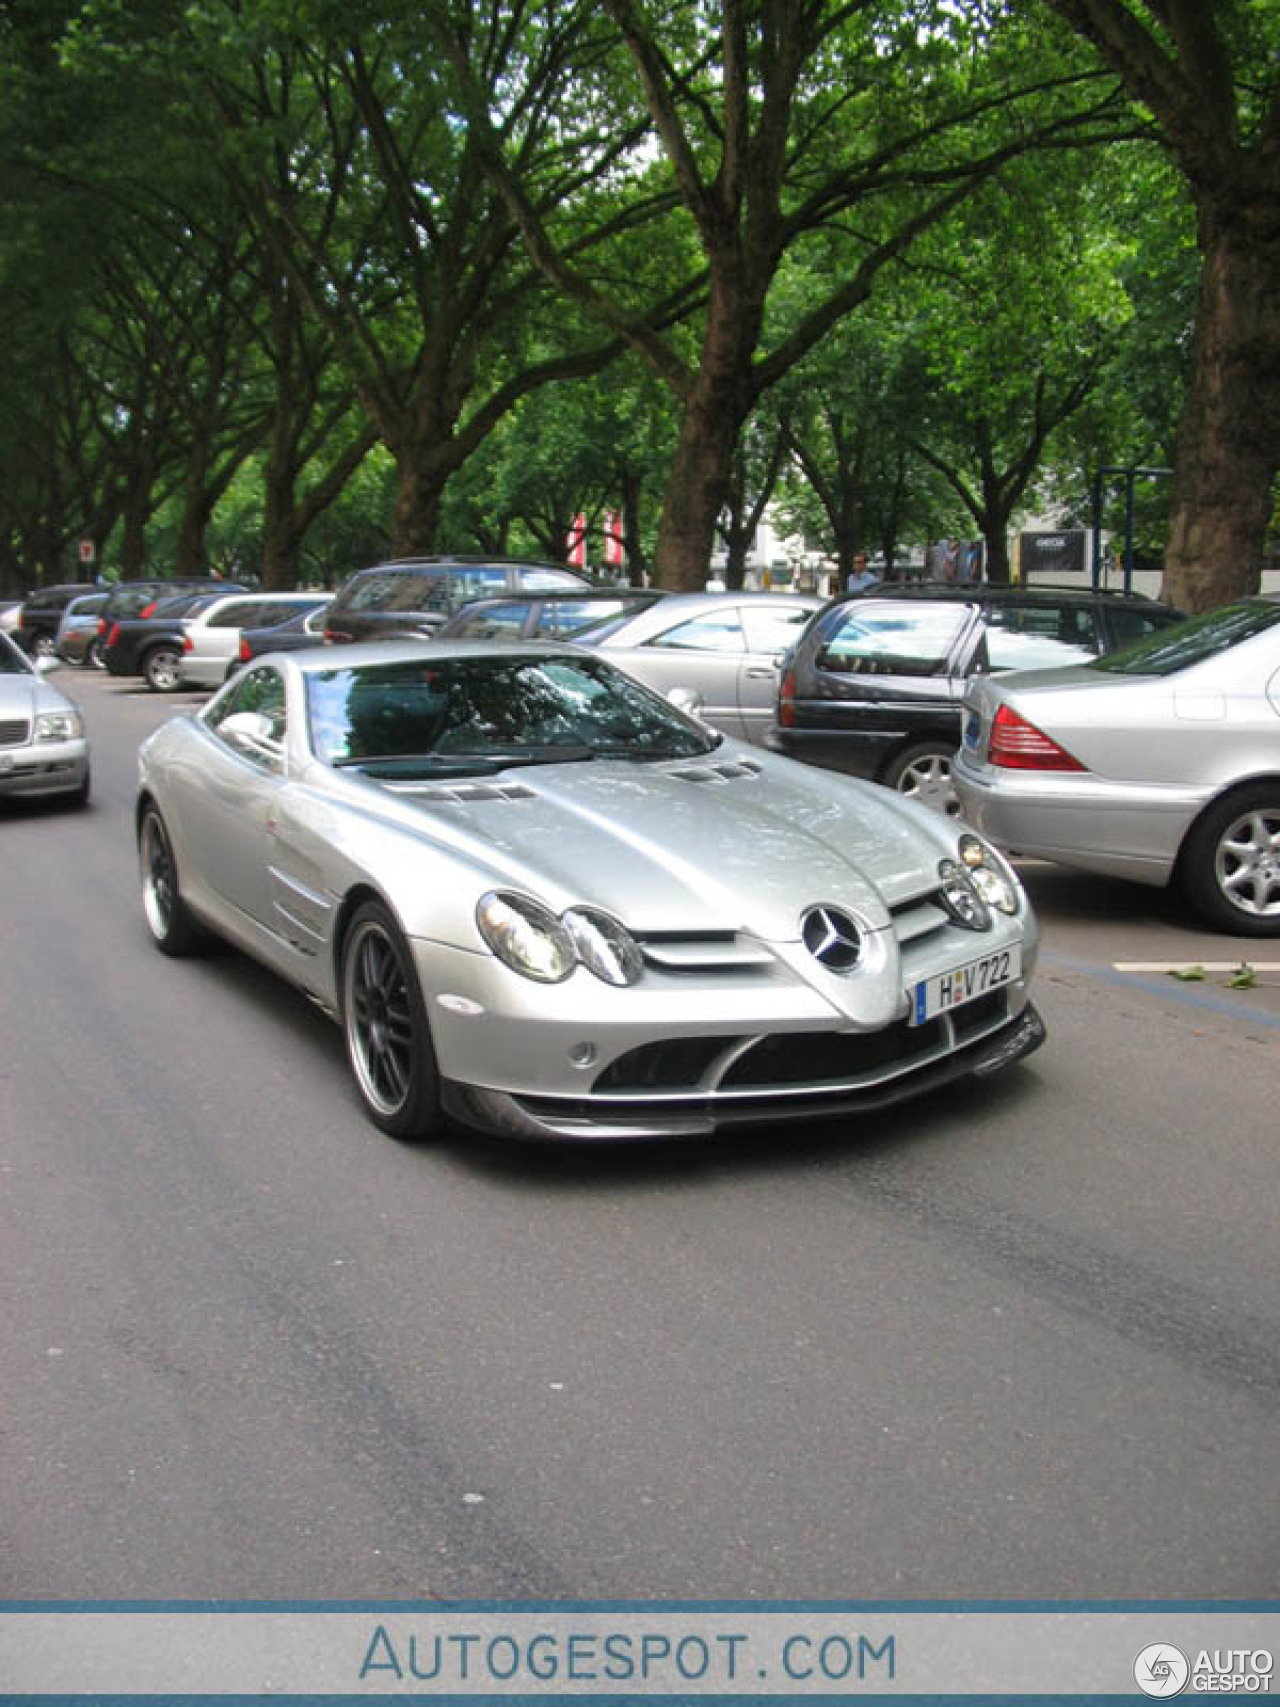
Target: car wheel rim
pixel 928 780
pixel 1247 864
pixel 157 879
pixel 380 1025
pixel 164 670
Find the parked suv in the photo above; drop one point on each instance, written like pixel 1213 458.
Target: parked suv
pixel 414 595
pixel 875 684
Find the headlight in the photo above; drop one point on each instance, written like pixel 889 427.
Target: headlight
pixel 58 726
pixel 531 940
pixel 526 936
pixel 603 945
pixel 961 898
pixel 990 875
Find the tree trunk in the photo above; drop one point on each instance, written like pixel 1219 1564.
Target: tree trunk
pixel 1228 444
pixel 416 520
pixel 696 486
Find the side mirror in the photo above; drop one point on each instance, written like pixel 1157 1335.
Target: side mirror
pixel 254 731
pixel 44 662
pixel 688 700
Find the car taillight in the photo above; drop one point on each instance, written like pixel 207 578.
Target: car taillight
pixel 148 610
pixel 335 637
pixel 114 636
pixel 245 652
pixel 1017 745
pixel 787 700
pixel 102 627
pixel 188 644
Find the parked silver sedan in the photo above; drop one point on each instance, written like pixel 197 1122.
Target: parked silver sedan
pixel 1160 762
pixel 719 652
pixel 42 743
pixel 544 902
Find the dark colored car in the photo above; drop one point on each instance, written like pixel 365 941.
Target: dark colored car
pixel 295 634
pixel 587 611
pixel 37 630
pixel 414 596
pixel 875 684
pixel 150 646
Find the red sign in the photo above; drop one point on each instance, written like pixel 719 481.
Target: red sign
pixel 576 544
pixel 88 551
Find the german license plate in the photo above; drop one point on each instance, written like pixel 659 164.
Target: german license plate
pixel 947 990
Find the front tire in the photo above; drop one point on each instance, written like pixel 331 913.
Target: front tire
pixel 1230 864
pixel 173 929
pixel 160 669
pixel 923 773
pixel 388 1035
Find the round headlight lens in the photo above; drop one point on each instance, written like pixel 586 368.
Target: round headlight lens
pixel 990 875
pixel 526 936
pixel 961 897
pixel 603 945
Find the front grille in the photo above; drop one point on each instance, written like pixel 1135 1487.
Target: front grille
pixel 14 732
pixel 826 1057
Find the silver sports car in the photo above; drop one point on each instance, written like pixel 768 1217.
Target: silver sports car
pixel 1159 762
pixel 542 901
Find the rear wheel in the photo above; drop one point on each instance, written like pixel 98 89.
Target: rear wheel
pixel 923 772
pixel 173 929
pixel 1230 865
pixel 388 1036
pixel 93 656
pixel 160 668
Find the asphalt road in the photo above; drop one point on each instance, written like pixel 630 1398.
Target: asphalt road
pixel 1021 1341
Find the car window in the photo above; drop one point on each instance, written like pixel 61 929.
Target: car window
pixel 546 580
pixel 774 630
pixel 567 618
pixel 881 637
pixel 426 716
pixel 1132 623
pixel 474 582
pixel 240 614
pixel 1191 642
pixel 718 630
pixel 12 661
pixel 260 690
pixel 395 590
pixel 493 622
pixel 1033 635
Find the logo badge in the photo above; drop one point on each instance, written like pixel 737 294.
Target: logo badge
pixel 832 938
pixel 1161 1670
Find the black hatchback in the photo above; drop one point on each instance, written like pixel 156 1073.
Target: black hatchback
pixel 875 684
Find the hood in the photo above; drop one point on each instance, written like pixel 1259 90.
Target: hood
pixel 23 696
pixel 726 843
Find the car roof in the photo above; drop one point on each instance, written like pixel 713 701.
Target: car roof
pixel 985 592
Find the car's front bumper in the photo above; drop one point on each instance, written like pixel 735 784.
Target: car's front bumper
pixel 701 1113
pixel 51 767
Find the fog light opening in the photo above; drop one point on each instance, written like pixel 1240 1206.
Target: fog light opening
pixel 582 1056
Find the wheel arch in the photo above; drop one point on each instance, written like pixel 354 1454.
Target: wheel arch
pixel 1237 785
pixel 351 903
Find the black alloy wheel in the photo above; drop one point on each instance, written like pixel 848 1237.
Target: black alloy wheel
pixel 173 929
pixel 385 1021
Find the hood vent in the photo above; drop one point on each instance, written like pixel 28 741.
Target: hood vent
pixel 461 793
pixel 728 770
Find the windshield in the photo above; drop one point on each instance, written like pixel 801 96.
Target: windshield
pixel 428 717
pixel 1169 650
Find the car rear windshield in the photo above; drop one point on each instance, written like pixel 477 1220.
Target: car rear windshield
pixel 1191 642
pixel 892 637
